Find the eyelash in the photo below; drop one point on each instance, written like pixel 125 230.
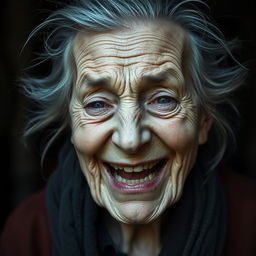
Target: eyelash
pixel 94 110
pixel 170 104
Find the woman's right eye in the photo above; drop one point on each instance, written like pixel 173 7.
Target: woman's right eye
pixel 98 108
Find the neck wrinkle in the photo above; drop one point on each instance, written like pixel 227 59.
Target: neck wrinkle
pixel 136 239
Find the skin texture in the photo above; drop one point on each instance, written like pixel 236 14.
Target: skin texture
pixel 130 105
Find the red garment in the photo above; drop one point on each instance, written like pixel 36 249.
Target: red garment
pixel 27 232
pixel 241 202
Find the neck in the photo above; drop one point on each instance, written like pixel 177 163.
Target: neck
pixel 136 239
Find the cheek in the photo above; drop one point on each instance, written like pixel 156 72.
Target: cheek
pixel 179 135
pixel 89 138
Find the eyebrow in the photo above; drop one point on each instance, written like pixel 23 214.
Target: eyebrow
pixel 93 82
pixel 146 79
pixel 169 77
pixel 160 77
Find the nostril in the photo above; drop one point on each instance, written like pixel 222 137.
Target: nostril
pixel 132 141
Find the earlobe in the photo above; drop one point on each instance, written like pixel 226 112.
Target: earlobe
pixel 204 128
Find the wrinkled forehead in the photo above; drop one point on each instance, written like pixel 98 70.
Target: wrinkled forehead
pixel 142 48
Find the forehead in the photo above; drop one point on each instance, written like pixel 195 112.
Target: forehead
pixel 144 48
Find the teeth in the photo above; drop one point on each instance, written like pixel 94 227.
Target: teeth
pixel 128 169
pixel 121 179
pixel 139 168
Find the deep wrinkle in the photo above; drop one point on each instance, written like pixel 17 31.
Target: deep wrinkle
pixel 169 77
pixel 133 127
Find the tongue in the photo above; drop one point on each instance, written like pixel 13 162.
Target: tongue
pixel 135 175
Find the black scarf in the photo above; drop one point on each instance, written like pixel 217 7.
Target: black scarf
pixel 194 226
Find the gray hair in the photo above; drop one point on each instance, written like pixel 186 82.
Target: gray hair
pixel 214 71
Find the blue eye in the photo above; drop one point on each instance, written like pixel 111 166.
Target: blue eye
pixel 97 104
pixel 163 104
pixel 164 100
pixel 97 108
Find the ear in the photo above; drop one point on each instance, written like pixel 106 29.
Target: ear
pixel 204 128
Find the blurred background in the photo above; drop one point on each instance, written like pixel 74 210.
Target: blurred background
pixel 21 174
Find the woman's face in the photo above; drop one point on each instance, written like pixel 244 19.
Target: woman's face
pixel 135 127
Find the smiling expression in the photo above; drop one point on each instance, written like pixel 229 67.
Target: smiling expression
pixel 135 126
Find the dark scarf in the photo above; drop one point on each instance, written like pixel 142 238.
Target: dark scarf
pixel 194 226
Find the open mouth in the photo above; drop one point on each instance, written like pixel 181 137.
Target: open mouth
pixel 133 175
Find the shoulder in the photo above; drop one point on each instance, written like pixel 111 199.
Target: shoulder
pixel 27 231
pixel 241 203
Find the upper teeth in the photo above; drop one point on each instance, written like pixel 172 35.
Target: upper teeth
pixel 138 168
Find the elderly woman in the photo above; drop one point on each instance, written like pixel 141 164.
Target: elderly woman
pixel 137 87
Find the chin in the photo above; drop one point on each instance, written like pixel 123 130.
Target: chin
pixel 138 211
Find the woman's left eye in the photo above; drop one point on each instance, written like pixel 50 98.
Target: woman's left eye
pixel 96 108
pixel 163 104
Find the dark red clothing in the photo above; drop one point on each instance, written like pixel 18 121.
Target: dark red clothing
pixel 27 232
pixel 241 203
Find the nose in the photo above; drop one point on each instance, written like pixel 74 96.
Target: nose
pixel 130 135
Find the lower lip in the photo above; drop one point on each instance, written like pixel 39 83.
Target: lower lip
pixel 142 187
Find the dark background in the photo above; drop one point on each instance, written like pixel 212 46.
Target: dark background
pixel 21 174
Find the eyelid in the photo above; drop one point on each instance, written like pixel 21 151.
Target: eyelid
pixel 162 92
pixel 96 92
pixel 100 96
pixel 100 113
pixel 162 112
pixel 95 99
